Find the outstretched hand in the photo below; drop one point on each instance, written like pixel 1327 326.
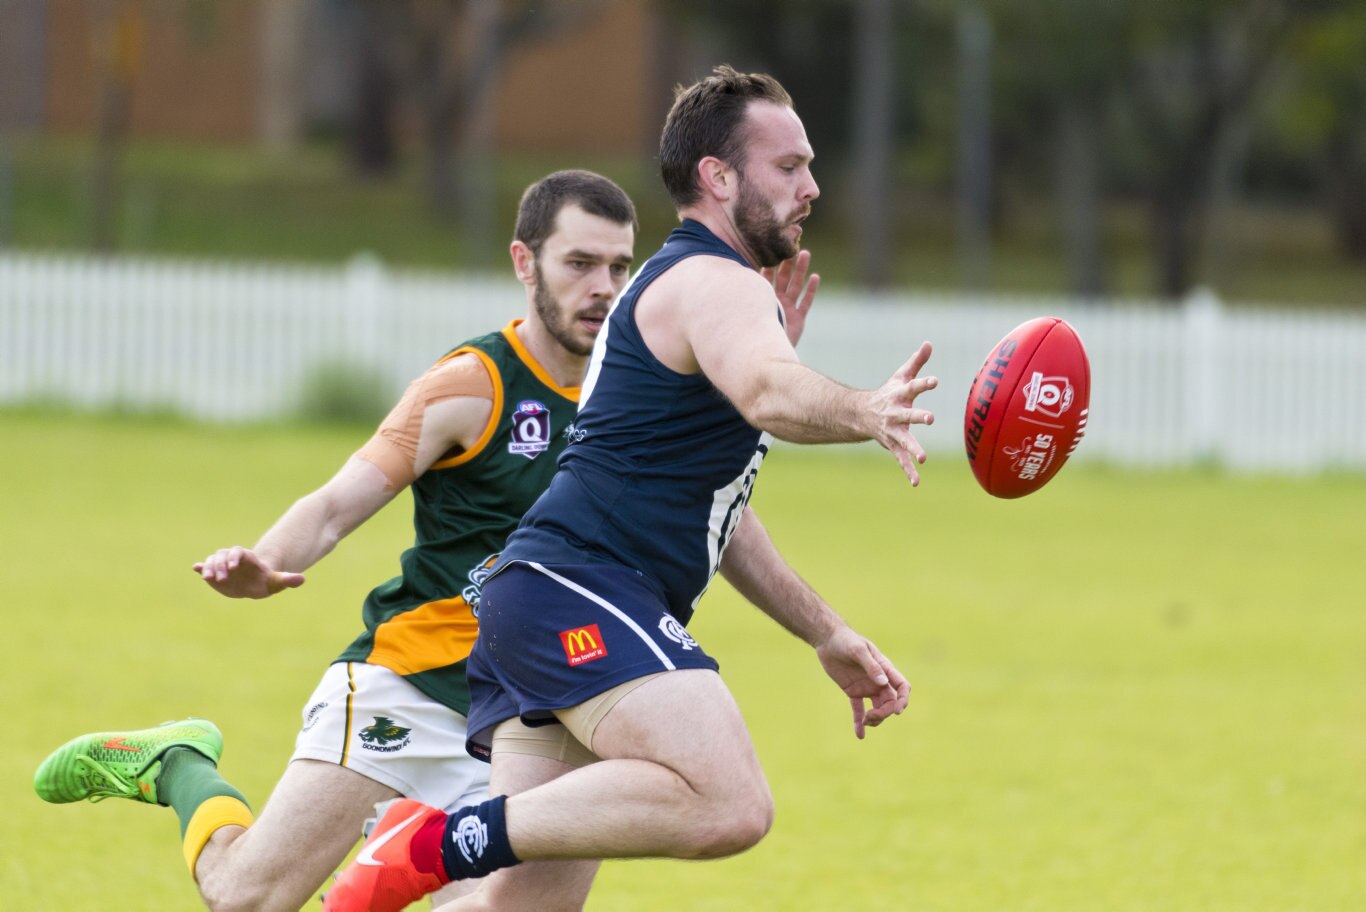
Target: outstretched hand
pixel 238 572
pixel 796 293
pixel 894 403
pixel 876 690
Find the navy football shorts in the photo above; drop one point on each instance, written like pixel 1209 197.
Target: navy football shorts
pixel 553 636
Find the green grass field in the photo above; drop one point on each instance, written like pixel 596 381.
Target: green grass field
pixel 1131 691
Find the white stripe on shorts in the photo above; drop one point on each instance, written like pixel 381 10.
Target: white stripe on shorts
pixel 599 600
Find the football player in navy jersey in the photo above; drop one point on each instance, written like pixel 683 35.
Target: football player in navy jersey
pixel 610 731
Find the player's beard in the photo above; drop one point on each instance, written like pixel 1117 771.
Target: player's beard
pixel 553 318
pixel 760 230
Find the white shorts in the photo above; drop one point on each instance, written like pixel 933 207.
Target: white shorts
pixel 369 719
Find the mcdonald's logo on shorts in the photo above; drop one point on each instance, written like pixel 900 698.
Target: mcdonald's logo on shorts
pixel 583 644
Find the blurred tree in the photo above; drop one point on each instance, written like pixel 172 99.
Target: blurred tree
pixel 1161 91
pixel 1194 71
pixel 372 127
pixel 117 50
pixel 452 53
pixel 1329 109
pixel 874 78
pixel 282 28
pixel 973 145
pixel 1059 66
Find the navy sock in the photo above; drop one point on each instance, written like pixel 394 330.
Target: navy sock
pixel 476 841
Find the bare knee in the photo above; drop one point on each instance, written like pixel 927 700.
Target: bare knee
pixel 735 824
pixel 245 894
pixel 234 897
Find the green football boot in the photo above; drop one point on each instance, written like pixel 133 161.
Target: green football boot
pixel 120 764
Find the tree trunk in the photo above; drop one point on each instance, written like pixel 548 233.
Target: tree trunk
pixel 1347 189
pixel 476 171
pixel 1174 210
pixel 374 146
pixel 282 30
pixel 974 147
pixel 1078 176
pixel 118 45
pixel 873 142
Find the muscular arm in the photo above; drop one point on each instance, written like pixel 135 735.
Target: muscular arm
pixel 715 316
pixel 754 567
pixel 446 409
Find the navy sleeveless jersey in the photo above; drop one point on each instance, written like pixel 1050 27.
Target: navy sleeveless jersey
pixel 659 465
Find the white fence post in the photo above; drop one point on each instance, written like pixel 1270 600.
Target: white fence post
pixel 1203 316
pixel 367 286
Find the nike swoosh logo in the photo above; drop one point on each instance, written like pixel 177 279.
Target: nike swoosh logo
pixel 367 854
pixel 117 744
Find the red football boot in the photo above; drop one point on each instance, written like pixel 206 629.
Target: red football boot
pixel 382 877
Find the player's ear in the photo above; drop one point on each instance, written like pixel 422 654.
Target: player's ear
pixel 523 262
pixel 716 178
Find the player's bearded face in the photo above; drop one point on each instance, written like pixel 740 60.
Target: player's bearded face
pixel 562 324
pixel 761 230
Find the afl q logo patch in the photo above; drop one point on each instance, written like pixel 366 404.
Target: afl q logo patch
pixel 669 626
pixel 1050 395
pixel 530 429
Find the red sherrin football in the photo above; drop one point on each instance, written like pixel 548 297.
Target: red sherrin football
pixel 1027 408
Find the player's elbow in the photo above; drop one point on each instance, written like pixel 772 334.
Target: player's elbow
pixel 764 405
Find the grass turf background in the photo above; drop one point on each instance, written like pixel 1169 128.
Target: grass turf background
pixel 1131 691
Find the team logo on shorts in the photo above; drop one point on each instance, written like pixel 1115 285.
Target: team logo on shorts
pixel 384 736
pixel 669 626
pixel 530 429
pixel 583 644
pixel 311 716
pixel 478 577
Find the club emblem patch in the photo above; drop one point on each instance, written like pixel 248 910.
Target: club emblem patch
pixel 669 626
pixel 583 644
pixel 384 736
pixel 530 429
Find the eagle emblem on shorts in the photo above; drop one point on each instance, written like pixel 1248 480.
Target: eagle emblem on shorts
pixel 384 735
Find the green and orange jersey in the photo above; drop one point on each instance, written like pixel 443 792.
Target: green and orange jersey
pixel 422 623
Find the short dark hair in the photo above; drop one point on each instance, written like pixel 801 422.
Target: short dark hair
pixel 542 201
pixel 706 119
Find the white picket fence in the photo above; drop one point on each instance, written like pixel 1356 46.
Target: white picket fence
pixel 1252 389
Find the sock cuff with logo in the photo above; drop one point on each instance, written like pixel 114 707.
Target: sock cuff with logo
pixel 476 840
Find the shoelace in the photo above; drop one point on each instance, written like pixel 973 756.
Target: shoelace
pixel 117 788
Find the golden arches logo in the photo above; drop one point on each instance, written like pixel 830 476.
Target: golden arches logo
pixel 583 644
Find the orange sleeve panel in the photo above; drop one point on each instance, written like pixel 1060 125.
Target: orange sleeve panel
pixel 393 448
